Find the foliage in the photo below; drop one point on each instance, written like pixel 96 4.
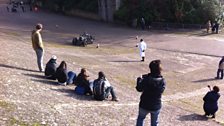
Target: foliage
pixel 67 5
pixel 178 11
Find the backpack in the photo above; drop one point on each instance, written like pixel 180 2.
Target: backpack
pixel 98 89
pixel 79 90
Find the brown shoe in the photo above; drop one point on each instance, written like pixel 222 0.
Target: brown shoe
pixel 114 99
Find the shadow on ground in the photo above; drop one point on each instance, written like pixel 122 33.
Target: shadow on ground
pixel 35 76
pixel 71 93
pixel 201 34
pixel 41 79
pixel 18 68
pixel 49 82
pixel 204 80
pixel 125 61
pixel 192 117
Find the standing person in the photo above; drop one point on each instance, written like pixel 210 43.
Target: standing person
pixel 220 69
pixel 211 102
pixel 50 69
pixel 142 23
pixel 208 25
pixel 152 86
pixel 142 47
pixel 7 7
pixel 216 27
pixel 38 45
pixel 102 88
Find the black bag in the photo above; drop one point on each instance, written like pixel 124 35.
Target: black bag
pixel 139 86
pixel 98 89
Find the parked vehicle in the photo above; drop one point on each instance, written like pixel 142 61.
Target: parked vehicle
pixel 83 40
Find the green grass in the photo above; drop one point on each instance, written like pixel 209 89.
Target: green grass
pixel 14 121
pixel 125 80
pixel 11 33
pixel 7 106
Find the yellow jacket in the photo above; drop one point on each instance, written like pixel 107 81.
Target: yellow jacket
pixel 37 40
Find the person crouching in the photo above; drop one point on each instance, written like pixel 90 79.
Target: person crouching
pixel 211 102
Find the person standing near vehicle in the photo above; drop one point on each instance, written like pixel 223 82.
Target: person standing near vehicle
pixel 142 47
pixel 152 86
pixel 38 46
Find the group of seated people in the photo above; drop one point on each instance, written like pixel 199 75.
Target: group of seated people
pixel 100 88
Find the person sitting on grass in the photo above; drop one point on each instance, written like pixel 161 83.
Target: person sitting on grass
pixel 82 81
pixel 211 102
pixel 50 69
pixel 102 88
pixel 63 76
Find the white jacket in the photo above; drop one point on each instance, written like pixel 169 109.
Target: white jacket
pixel 142 47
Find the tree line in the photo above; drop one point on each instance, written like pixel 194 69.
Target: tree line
pixel 175 11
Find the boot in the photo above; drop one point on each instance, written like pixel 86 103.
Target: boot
pixel 143 59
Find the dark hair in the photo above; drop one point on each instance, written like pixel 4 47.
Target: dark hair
pixel 83 73
pixel 83 70
pixel 39 26
pixel 155 67
pixel 216 89
pixel 141 40
pixel 63 65
pixel 101 75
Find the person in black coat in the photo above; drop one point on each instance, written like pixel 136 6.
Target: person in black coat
pixel 61 73
pixel 152 86
pixel 50 68
pixel 211 102
pixel 82 81
pixel 63 76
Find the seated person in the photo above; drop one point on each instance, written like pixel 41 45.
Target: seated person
pixel 211 102
pixel 102 88
pixel 63 76
pixel 82 81
pixel 50 68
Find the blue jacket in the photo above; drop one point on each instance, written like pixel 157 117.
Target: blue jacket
pixel 152 88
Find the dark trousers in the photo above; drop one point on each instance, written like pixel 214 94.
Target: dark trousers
pixel 220 71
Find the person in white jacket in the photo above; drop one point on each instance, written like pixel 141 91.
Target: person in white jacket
pixel 142 47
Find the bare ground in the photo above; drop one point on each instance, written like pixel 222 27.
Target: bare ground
pixel 27 98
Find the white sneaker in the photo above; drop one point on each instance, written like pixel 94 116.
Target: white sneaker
pixel 64 84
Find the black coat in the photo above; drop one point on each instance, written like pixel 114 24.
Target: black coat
pixel 152 88
pixel 81 81
pixel 211 102
pixel 50 68
pixel 61 75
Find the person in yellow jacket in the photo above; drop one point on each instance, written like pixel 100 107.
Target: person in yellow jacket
pixel 38 46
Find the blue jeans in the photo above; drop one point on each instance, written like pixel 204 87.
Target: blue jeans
pixel 71 77
pixel 110 90
pixel 40 56
pixel 143 113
